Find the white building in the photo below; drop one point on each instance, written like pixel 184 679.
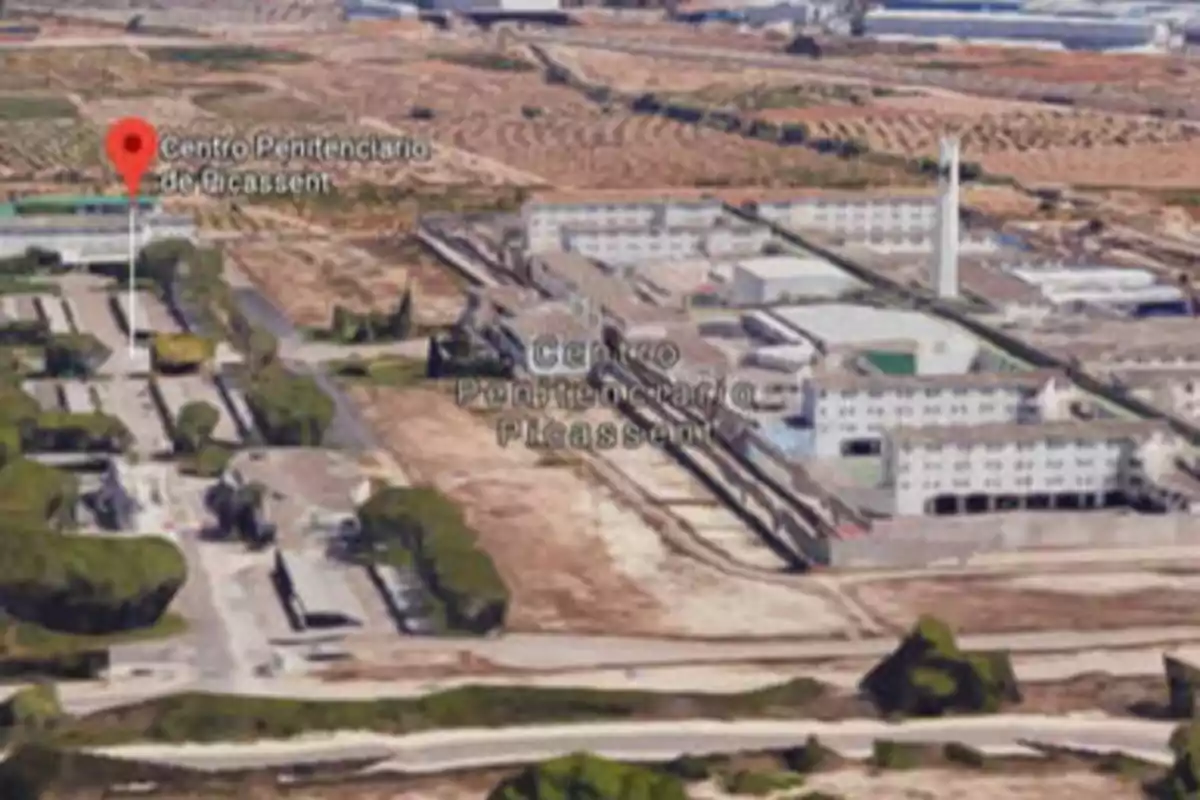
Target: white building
pixel 997 466
pixel 774 279
pixel 850 413
pixel 1073 32
pixel 84 239
pixel 632 245
pixel 1111 286
pixel 855 214
pixel 941 348
pixel 545 219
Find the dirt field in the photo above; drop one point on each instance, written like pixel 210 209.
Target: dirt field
pixel 1056 601
pixel 308 278
pixel 556 133
pixel 1166 166
pixel 575 558
pixel 858 784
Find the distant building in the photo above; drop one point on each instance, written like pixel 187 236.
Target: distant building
pixel 774 279
pixel 88 238
pixel 1082 33
pixel 1038 466
pixel 851 414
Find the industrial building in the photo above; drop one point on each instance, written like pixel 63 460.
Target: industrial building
pixel 850 414
pixel 780 279
pixel 550 339
pixel 634 244
pixel 938 347
pixel 314 592
pixel 88 239
pixel 981 468
pixel 1135 291
pixel 1081 33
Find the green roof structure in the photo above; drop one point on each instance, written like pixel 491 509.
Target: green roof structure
pixel 892 362
pixel 74 204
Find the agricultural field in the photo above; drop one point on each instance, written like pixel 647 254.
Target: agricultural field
pixel 1165 166
pixel 553 132
pixel 50 149
pixel 307 278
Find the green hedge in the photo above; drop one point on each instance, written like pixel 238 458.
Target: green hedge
pixel 85 584
pixel 290 410
pixel 430 526
pixel 62 431
pixel 34 494
pixel 584 775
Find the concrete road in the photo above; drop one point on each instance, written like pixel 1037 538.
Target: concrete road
pixel 441 751
pixel 108 41
pixel 322 352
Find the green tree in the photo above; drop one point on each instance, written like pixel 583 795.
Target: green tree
pixel 400 323
pixel 289 409
pixel 589 777
pixel 194 427
pixel 74 356
pixel 262 349
pixel 344 326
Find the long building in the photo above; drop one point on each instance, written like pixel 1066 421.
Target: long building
pixel 851 414
pixel 979 468
pixel 80 239
pixel 1073 32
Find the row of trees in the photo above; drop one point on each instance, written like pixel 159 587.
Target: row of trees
pixel 429 528
pixel 349 327
pixel 25 427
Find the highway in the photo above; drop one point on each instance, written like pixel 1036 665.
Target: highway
pixel 441 751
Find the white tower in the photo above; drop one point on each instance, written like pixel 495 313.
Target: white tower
pixel 945 254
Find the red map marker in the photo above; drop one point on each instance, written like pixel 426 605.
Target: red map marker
pixel 132 145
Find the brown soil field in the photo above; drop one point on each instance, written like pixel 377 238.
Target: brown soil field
pixel 1167 166
pixel 1113 69
pixel 308 278
pixel 985 605
pixel 575 556
pixel 552 131
pixel 38 150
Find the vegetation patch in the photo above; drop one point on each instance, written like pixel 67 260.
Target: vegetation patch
pixel 226 57
pixel 493 61
pixel 584 775
pixel 387 371
pixel 209 717
pixel 26 107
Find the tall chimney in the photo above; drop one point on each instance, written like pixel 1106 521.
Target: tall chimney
pixel 945 255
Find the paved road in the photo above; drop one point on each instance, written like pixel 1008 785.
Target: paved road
pixel 649 741
pixel 108 41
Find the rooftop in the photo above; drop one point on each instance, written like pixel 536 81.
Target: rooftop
pixel 1015 433
pixel 319 585
pixel 551 319
pixel 853 382
pixel 789 266
pixel 848 324
pixel 732 195
pixel 1152 339
pixel 611 292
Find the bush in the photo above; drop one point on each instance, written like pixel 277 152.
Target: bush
pixel 584 775
pixel 430 526
pixel 690 768
pixel 887 754
pixel 34 495
pixel 32 709
pixel 65 432
pixel 290 410
pixel 927 675
pixel 174 353
pixel 809 757
pixel 74 355
pixel 193 429
pixel 759 784
pixel 959 753
pixel 210 461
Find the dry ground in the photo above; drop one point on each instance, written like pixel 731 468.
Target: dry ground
pixel 857 784
pixel 1053 601
pixel 575 558
pixel 308 278
pixel 516 118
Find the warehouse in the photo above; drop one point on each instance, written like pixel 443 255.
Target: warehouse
pixel 775 279
pixel 850 413
pixel 1132 290
pixel 315 593
pixel 980 468
pixel 632 245
pixel 1072 32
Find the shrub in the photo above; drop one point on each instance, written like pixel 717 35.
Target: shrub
pixel 690 768
pixel 180 352
pixel 584 775
pixel 759 784
pixel 193 429
pixel 959 753
pixel 289 409
pixel 809 757
pixel 887 754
